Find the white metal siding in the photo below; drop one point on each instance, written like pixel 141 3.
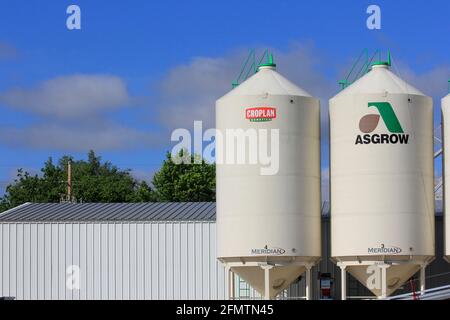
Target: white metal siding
pixel 160 260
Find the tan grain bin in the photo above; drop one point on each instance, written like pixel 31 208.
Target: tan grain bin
pixel 446 130
pixel 381 179
pixel 270 220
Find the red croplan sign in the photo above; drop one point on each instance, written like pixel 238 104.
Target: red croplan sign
pixel 260 114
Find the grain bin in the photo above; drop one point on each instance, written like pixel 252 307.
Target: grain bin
pixel 268 215
pixel 382 181
pixel 446 169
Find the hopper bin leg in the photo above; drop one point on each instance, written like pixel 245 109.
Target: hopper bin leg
pixel 266 269
pixel 422 278
pixel 308 282
pixel 230 283
pixel 343 283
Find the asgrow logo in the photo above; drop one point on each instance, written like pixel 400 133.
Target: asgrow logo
pixel 369 123
pixel 261 114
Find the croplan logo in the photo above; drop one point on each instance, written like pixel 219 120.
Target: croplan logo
pixel 369 123
pixel 260 114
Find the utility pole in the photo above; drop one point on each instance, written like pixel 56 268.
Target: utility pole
pixel 69 180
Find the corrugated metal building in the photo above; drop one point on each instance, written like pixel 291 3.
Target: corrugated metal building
pixel 124 251
pixel 134 251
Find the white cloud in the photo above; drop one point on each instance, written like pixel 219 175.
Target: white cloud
pixel 75 112
pixel 303 65
pixel 432 82
pixel 103 136
pixel 69 96
pixel 189 92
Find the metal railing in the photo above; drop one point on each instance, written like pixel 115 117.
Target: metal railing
pixel 250 66
pixel 438 293
pixel 360 67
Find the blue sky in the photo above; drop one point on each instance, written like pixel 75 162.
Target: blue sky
pixel 162 64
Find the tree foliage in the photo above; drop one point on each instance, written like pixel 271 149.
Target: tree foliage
pixel 97 181
pixel 191 180
pixel 92 181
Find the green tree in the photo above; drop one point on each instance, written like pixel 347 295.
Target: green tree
pixel 97 181
pixel 144 193
pixel 186 181
pixel 92 181
pixel 3 205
